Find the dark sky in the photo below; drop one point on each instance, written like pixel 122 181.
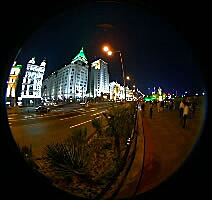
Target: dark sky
pixel 154 52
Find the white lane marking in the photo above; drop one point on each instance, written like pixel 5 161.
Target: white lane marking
pixel 80 124
pixel 12 114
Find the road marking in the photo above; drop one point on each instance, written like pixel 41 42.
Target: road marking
pixel 39 117
pixel 80 124
pixel 12 114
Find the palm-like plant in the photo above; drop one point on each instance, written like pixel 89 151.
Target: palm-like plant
pixel 120 120
pixel 97 124
pixel 69 157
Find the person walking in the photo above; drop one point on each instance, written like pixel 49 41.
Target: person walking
pixel 185 114
pixel 161 106
pixel 143 106
pixel 181 107
pixel 150 110
pixel 158 106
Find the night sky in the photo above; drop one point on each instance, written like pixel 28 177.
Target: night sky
pixel 154 52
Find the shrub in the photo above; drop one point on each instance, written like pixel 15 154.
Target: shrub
pixel 97 124
pixel 26 153
pixel 69 157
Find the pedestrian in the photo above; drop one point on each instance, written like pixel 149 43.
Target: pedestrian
pixel 143 106
pixel 150 110
pixel 181 107
pixel 161 106
pixel 158 106
pixel 193 108
pixel 185 113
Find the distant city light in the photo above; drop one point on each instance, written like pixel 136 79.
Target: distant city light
pixel 203 93
pixel 197 94
pixel 186 92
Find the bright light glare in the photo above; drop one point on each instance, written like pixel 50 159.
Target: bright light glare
pixel 106 48
pixel 128 78
pixel 109 53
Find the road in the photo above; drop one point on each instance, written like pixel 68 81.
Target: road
pixel 39 129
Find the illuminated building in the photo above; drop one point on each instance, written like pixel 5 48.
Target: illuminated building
pixel 69 82
pixel 117 92
pixel 98 79
pixel 32 82
pixel 12 84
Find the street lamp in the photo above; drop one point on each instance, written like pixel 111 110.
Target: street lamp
pixel 109 52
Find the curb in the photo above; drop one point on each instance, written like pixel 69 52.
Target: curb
pixel 129 188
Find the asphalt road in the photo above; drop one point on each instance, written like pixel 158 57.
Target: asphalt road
pixel 40 129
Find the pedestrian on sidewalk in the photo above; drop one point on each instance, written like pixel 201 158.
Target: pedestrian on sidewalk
pixel 150 110
pixel 185 113
pixel 181 107
pixel 161 106
pixel 143 106
pixel 158 106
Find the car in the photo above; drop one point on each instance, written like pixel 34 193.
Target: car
pixel 42 108
pixel 84 104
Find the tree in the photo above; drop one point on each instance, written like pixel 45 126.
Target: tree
pixel 97 124
pixel 121 121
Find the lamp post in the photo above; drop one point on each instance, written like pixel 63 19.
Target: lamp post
pixel 109 52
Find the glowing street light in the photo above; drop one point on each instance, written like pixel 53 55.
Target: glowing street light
pixel 109 52
pixel 127 77
pixel 105 48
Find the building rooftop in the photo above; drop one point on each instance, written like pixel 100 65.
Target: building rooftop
pixel 80 56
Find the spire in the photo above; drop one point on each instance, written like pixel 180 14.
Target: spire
pixel 80 56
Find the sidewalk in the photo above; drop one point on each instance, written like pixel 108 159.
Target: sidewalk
pixel 167 145
pixel 128 189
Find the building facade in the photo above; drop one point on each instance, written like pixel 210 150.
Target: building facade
pixel 117 92
pixel 98 79
pixel 69 82
pixel 32 82
pixel 12 84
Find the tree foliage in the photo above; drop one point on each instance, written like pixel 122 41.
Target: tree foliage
pixel 121 122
